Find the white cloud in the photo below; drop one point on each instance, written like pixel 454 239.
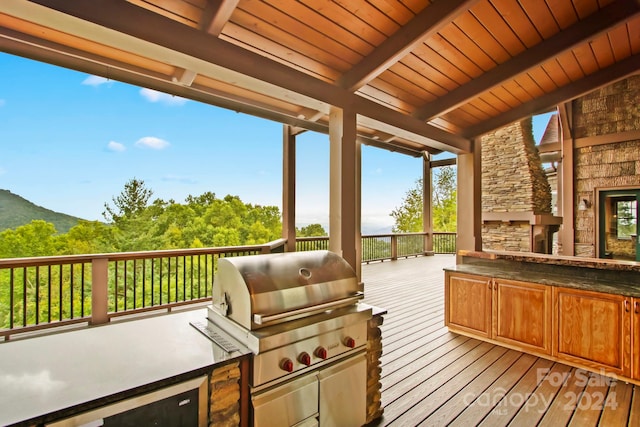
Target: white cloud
pixel 152 142
pixel 95 81
pixel 164 98
pixel 116 146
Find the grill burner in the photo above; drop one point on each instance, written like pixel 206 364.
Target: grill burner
pixel 300 315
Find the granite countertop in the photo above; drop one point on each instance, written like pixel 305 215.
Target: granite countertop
pixel 560 260
pixel 546 278
pixel 43 377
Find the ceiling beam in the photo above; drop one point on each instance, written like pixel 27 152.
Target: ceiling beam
pixel 173 36
pixel 581 87
pixel 216 15
pixel 581 32
pixel 426 23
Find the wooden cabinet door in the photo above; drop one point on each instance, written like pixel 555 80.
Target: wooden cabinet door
pixel 594 329
pixel 468 303
pixel 522 314
pixel 635 339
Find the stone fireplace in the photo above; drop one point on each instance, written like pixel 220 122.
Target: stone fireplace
pixel 516 196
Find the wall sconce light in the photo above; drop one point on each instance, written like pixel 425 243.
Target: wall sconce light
pixel 584 204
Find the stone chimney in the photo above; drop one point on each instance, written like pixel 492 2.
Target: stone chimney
pixel 516 196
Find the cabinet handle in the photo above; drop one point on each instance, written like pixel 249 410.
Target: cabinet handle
pixel 626 305
pixel 636 307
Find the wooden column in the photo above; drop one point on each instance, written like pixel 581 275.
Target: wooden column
pixel 344 187
pixel 566 235
pixel 289 187
pixel 427 201
pixel 469 233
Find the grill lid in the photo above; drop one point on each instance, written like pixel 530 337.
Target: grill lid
pixel 261 290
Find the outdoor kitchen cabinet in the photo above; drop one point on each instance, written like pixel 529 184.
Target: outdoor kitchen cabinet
pixel 522 314
pixel 468 303
pixel 635 338
pixel 511 312
pixel 594 329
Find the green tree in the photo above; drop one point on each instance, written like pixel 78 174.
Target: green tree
pixel 311 230
pixel 444 209
pixel 408 217
pixel 130 202
pixel 38 238
pixel 89 237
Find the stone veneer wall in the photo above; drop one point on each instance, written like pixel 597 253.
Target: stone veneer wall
pixel 374 369
pixel 224 399
pixel 612 109
pixel 513 180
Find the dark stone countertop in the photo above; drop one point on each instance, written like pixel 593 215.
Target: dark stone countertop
pixel 546 276
pixel 52 376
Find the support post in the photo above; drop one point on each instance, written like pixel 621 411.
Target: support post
pixel 427 203
pixel 469 222
pixel 344 187
pixel 289 187
pixel 566 235
pixel 99 291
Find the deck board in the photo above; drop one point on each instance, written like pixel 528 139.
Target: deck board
pixel 432 377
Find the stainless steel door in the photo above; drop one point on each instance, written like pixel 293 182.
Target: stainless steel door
pixel 287 404
pixel 343 393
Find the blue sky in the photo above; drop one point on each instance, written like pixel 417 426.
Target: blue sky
pixel 69 142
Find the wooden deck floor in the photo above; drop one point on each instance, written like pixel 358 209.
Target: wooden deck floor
pixel 431 377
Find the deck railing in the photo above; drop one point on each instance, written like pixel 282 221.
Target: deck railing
pixel 381 247
pixel 45 292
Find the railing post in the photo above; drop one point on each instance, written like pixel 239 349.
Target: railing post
pixel 394 247
pixel 99 291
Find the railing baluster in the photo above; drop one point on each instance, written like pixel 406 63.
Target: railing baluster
pixel 71 313
pixel 24 296
pixel 135 284
pixel 61 300
pixel 153 280
pixel 37 295
pixel 11 298
pixel 49 294
pixel 116 282
pixel 82 289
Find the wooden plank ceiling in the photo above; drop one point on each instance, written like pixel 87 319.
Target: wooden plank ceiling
pixel 421 75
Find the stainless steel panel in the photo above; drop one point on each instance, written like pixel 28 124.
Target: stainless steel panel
pixel 279 335
pixel 273 284
pixel 343 393
pixel 310 422
pixel 266 366
pixel 287 404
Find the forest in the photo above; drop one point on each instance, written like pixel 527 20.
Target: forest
pixel 134 223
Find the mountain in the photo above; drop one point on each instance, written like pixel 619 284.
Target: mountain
pixel 16 211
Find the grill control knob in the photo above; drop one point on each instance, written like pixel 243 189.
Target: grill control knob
pixel 321 352
pixel 286 364
pixel 350 342
pixel 304 358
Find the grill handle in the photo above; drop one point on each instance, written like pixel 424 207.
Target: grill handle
pixel 260 319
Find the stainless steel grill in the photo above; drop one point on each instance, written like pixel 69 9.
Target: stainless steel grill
pixel 300 315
